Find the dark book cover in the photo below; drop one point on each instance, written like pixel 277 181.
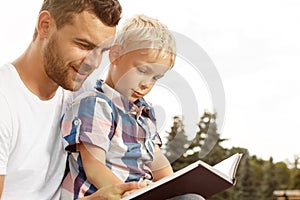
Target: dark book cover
pixel 198 178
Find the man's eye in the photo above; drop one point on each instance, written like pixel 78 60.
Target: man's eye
pixel 85 46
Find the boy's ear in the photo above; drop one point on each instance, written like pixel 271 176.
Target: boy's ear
pixel 114 53
pixel 45 21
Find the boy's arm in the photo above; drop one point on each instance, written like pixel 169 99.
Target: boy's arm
pixel 160 166
pixel 114 191
pixel 93 160
pixel 1 184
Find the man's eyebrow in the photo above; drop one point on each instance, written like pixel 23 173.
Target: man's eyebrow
pixel 86 42
pixel 104 45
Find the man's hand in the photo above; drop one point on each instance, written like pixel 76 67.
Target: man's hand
pixel 114 192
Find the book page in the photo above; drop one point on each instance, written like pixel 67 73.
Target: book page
pixel 229 165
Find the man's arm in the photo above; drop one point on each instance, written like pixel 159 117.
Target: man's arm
pixel 160 166
pixel 93 160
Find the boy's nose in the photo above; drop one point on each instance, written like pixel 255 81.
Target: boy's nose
pixel 146 84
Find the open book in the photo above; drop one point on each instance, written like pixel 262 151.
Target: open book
pixel 198 178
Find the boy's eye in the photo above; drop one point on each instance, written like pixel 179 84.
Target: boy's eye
pixel 142 69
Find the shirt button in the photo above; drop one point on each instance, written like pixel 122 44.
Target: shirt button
pixel 76 122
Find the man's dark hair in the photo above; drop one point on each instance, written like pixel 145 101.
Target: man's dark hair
pixel 108 11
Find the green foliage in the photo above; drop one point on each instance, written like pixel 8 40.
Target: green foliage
pixel 269 182
pixel 282 176
pixel 245 187
pixel 295 174
pixel 295 178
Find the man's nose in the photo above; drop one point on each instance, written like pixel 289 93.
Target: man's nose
pixel 93 58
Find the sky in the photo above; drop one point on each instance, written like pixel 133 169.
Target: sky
pixel 254 46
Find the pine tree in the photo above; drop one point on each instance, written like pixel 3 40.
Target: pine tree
pixel 176 142
pixel 198 143
pixel 208 141
pixel 295 174
pixel 245 188
pixel 269 183
pixel 205 140
pixel 209 137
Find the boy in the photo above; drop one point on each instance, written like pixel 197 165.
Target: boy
pixel 111 131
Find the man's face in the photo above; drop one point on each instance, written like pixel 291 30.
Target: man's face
pixel 75 51
pixel 135 73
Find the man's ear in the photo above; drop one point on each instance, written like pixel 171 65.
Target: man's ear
pixel 44 24
pixel 115 53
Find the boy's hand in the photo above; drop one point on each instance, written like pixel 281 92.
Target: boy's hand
pixel 114 192
pixel 141 184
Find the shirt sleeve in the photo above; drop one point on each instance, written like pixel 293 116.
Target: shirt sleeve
pixel 88 120
pixel 5 134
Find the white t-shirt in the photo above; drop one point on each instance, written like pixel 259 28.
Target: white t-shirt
pixel 31 153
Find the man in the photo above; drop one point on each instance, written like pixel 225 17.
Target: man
pixel 33 90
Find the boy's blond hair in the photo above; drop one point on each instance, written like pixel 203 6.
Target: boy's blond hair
pixel 142 32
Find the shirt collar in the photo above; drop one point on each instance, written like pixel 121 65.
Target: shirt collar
pixel 119 100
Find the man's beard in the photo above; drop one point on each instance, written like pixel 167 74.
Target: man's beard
pixel 56 68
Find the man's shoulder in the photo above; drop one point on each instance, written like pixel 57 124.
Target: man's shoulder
pixel 9 80
pixel 7 72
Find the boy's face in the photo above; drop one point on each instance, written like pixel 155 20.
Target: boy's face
pixel 134 74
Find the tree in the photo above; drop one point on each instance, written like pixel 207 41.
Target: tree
pixel 207 136
pixel 176 142
pixel 257 165
pixel 295 179
pixel 245 188
pixel 269 183
pixel 282 175
pixel 206 140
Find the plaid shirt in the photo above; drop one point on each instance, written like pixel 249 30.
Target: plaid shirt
pixel 126 131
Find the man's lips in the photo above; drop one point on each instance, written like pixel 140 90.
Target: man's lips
pixel 80 74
